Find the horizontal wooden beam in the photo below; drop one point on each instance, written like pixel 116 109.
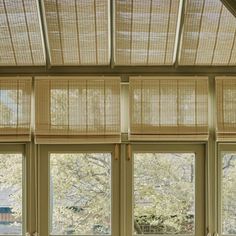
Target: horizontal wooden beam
pixel 117 70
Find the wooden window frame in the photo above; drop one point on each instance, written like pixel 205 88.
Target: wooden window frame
pixel 200 195
pixel 43 181
pixel 26 193
pixel 221 147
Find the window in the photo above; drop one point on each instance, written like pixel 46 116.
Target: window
pixel 79 190
pixel 77 110
pixel 11 190
pixel 145 32
pixel 78 32
pixel 15 109
pixel 80 193
pixel 168 108
pixel 167 189
pixel 227 187
pixel 77 185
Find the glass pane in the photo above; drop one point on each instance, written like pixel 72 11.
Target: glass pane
pixel 59 108
pixel 80 193
pixel 229 193
pixel 10 194
pixel 164 189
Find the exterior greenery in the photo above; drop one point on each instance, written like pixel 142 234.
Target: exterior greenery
pixel 229 193
pixel 164 192
pixel 11 166
pixel 81 192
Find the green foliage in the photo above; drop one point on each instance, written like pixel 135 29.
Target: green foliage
pixel 81 192
pixel 11 181
pixel 164 191
pixel 229 193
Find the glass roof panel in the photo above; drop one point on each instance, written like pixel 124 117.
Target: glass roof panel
pixel 145 32
pixel 20 33
pixel 209 36
pixel 78 31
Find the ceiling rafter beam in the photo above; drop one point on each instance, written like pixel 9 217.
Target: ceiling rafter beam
pixel 180 26
pixel 112 32
pixel 117 70
pixel 43 24
pixel 230 5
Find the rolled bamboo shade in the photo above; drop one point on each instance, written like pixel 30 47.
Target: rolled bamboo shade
pixel 77 110
pixel 209 34
pixel 21 40
pixel 15 109
pixel 168 108
pixel 226 108
pixel 145 31
pixel 78 31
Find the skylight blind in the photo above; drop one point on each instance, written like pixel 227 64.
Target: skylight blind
pixel 21 40
pixel 226 108
pixel 209 35
pixel 78 31
pixel 77 110
pixel 145 32
pixel 15 109
pixel 168 108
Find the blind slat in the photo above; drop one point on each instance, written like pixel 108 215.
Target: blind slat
pixel 77 107
pixel 168 106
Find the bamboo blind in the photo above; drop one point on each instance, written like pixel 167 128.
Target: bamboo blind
pixel 209 36
pixel 21 41
pixel 15 109
pixel 226 107
pixel 78 31
pixel 77 109
pixel 145 32
pixel 167 108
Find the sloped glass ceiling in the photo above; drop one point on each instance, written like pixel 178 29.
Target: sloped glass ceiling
pixel 79 32
pixel 209 34
pixel 20 34
pixel 145 31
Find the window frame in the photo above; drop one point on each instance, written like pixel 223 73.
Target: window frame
pixel 221 147
pixel 21 149
pixel 44 185
pixel 200 180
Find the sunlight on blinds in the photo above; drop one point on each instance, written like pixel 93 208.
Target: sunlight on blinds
pixel 209 36
pixel 78 31
pixel 226 107
pixel 145 32
pixel 83 109
pixel 167 107
pixel 20 33
pixel 15 109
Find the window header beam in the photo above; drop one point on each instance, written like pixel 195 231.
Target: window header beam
pixel 117 70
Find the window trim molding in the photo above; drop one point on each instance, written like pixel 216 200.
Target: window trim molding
pixel 221 147
pixel 43 184
pixel 21 149
pixel 201 180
